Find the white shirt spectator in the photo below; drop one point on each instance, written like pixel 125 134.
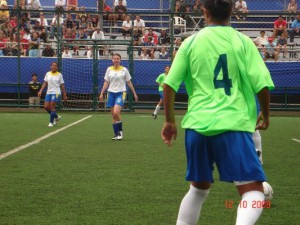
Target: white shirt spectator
pixel 60 3
pixel 89 54
pixel 239 4
pixel 127 24
pixel 117 3
pixel 261 40
pixel 34 4
pixel 66 55
pixel 98 35
pixel 138 24
pixel 61 20
pixel 43 23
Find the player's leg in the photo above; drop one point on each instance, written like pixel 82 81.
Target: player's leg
pixel 116 114
pixel 200 175
pixel 257 142
pixel 160 103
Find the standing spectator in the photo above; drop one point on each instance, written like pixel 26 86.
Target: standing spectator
pixel 221 114
pixel 34 45
pixel 4 15
pixel 56 24
pixel 34 88
pixel 163 53
pixel 160 82
pixel 119 13
pixel 34 5
pixel 126 27
pixel 56 89
pixel 66 53
pixel 279 27
pixel 48 51
pixel 270 50
pixel 72 5
pixel 139 25
pixel 295 28
pixel 60 4
pixel 292 9
pixel 241 10
pixel 99 35
pixel 262 40
pixel 115 80
pixel 164 37
pixel 282 45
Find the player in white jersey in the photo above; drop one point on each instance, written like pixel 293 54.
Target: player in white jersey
pixel 55 88
pixel 115 80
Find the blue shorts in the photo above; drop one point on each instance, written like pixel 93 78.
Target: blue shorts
pixel 233 152
pixel 115 99
pixel 53 98
pixel 161 94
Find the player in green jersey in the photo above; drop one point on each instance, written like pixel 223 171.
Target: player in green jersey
pixel 160 81
pixel 222 71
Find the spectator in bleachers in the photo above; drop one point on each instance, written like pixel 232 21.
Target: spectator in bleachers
pixel 152 35
pixel 27 34
pixel 139 25
pixel 2 44
pixel 106 9
pixel 241 10
pixel 6 28
pixel 34 43
pixel 81 35
pixel 270 50
pixel 11 47
pixel 163 53
pixel 43 21
pixel 262 40
pixel 72 5
pixel 127 27
pixel 119 14
pixel 60 4
pixel 197 7
pixel 279 27
pixel 83 24
pixel 99 35
pixel 23 45
pixel 4 15
pixel 14 23
pixel 56 23
pixel 22 4
pixel 295 28
pixel 116 2
pixel 34 5
pixel 150 47
pixel 282 45
pixel 90 54
pixel 66 53
pixel 144 54
pixel 137 38
pixel 164 37
pixel 40 30
pixel 292 9
pixel 69 23
pixel 48 51
pixel 94 23
pixel 179 8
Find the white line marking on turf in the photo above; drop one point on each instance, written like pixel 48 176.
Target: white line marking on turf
pixel 296 140
pixel 22 147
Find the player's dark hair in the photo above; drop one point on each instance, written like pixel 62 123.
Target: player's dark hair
pixel 220 10
pixel 55 63
pixel 34 75
pixel 117 55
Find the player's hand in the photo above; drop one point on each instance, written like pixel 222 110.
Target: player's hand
pixel 262 122
pixel 39 94
pixel 101 97
pixel 136 98
pixel 169 132
pixel 65 98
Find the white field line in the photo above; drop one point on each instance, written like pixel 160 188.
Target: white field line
pixel 36 141
pixel 296 140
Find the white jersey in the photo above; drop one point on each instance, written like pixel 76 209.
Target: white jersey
pixel 54 81
pixel 117 79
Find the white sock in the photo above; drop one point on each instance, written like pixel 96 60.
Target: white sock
pixel 247 213
pixel 257 142
pixel 190 207
pixel 156 110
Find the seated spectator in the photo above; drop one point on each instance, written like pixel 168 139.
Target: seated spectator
pixel 6 28
pixel 4 15
pixel 139 25
pixel 60 4
pixel 107 9
pixel 80 36
pixel 99 35
pixel 137 38
pixel 144 54
pixel 177 43
pixel 72 5
pixel 179 9
pixel 163 53
pixel 14 23
pixel 12 48
pixel 197 7
pixel 270 50
pixel 69 23
pixel 2 45
pixel 23 45
pixel 279 27
pixel 150 47
pixel 48 51
pixel 282 45
pixel 56 25
pixel 292 9
pixel 66 53
pixel 152 35
pixel 34 5
pixel 126 27
pixel 94 23
pixel 27 34
pixel 43 21
pixel 262 40
pixel 119 14
pixel 90 54
pixel 22 4
pixel 295 28
pixel 164 37
pixel 40 30
pixel 240 10
pixel 34 43
pixel 116 2
pixel 83 23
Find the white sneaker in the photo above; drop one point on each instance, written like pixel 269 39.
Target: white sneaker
pixel 50 125
pixel 120 136
pixel 57 119
pixel 115 137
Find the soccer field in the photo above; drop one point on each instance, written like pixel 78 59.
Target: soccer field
pixel 75 173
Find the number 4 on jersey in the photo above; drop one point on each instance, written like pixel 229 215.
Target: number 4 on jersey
pixel 226 82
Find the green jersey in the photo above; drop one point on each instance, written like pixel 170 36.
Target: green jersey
pixel 161 79
pixel 222 70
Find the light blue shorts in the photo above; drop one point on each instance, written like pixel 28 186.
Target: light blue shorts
pixel 115 99
pixel 233 152
pixel 53 98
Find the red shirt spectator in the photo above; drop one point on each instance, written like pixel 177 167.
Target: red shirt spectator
pixel 151 34
pixel 280 23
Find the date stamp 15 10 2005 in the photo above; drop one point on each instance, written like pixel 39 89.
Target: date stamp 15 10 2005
pixel 245 204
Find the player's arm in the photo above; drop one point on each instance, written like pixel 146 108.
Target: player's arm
pixel 264 103
pixel 105 86
pixel 169 130
pixel 63 91
pixel 45 84
pixel 130 85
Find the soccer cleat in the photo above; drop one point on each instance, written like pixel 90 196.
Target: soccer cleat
pixel 154 116
pixel 50 125
pixel 115 138
pixel 56 120
pixel 120 136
